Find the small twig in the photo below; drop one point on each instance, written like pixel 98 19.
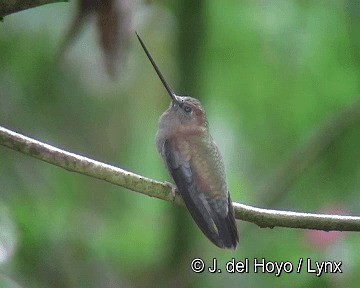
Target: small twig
pixel 9 7
pixel 76 163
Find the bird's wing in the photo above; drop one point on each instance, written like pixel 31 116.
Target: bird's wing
pixel 208 212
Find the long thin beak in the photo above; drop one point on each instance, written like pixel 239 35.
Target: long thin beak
pixel 167 87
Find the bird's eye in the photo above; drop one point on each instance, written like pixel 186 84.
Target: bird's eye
pixel 187 109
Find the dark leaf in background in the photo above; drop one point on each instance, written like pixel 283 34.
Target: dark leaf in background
pixel 84 9
pixel 113 20
pixel 114 27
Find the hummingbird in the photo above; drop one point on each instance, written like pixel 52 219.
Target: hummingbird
pixel 194 162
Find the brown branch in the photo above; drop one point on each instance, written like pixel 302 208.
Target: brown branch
pixel 76 163
pixel 13 6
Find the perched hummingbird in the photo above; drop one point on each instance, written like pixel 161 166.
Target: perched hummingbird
pixel 196 166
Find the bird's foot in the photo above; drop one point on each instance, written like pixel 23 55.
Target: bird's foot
pixel 173 188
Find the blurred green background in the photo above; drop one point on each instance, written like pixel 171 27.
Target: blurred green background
pixel 270 74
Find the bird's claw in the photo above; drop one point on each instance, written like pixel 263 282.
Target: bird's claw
pixel 173 188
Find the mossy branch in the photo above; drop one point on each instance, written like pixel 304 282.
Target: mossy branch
pixel 76 163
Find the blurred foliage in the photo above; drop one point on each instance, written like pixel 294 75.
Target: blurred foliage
pixel 268 73
pixel 114 28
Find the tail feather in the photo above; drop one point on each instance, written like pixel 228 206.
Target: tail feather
pixel 220 230
pixel 227 228
pixel 213 215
